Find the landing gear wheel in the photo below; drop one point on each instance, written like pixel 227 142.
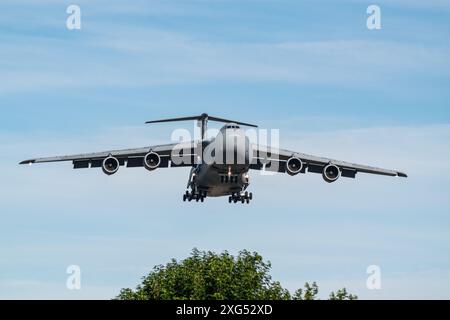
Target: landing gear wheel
pixel 202 199
pixel 184 197
pixel 248 200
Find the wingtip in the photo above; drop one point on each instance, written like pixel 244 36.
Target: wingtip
pixel 27 161
pixel 402 175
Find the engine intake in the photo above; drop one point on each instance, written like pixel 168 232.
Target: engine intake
pixel 331 173
pixel 152 160
pixel 294 166
pixel 110 165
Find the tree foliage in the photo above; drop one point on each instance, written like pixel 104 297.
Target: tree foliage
pixel 309 292
pixel 342 294
pixel 210 276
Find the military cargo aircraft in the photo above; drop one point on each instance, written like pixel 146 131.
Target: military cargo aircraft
pixel 220 166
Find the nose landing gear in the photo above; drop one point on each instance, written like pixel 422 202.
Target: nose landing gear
pixel 197 196
pixel 243 197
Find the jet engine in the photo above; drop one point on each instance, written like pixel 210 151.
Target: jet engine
pixel 152 160
pixel 331 173
pixel 294 166
pixel 110 165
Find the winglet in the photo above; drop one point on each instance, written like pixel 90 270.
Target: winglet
pixel 402 175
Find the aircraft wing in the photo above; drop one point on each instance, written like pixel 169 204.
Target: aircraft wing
pixel 130 157
pixel 273 159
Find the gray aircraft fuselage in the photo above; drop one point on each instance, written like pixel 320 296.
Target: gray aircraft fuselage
pixel 227 173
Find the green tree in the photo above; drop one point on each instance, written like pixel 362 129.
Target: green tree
pixel 210 276
pixel 342 294
pixel 308 293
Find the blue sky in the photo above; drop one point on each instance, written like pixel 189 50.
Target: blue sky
pixel 312 70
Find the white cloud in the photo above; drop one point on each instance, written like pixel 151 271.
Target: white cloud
pixel 111 53
pixel 144 57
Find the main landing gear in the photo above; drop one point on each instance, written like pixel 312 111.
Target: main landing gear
pixel 197 196
pixel 243 197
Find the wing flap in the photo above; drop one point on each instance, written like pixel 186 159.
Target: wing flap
pixel 84 164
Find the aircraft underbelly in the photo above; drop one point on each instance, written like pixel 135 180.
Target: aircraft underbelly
pixel 217 183
pixel 220 191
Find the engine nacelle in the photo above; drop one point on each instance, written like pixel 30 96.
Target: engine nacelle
pixel 294 166
pixel 331 173
pixel 110 165
pixel 152 160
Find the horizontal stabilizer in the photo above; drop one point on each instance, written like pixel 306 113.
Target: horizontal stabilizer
pixel 203 117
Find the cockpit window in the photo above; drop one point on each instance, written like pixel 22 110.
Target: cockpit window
pixel 232 127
